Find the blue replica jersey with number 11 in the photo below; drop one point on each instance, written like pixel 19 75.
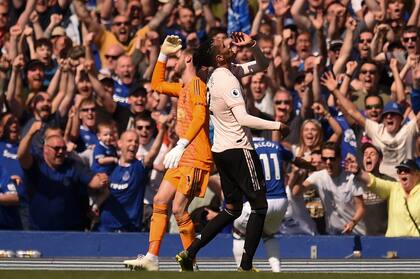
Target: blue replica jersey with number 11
pixel 272 156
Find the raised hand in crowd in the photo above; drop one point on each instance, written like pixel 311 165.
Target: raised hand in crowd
pixel 281 7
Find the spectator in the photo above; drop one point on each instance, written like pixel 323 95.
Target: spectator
pixel 43 52
pixel 125 80
pixel 111 55
pixel 376 207
pixel 341 194
pixel 9 162
pixel 123 209
pixel 57 186
pixel 367 84
pixel 261 93
pixel 364 43
pixel 9 203
pixel 85 122
pixel 104 153
pixel 284 112
pixel 395 140
pixel 42 111
pixel 124 116
pixel 121 29
pixel 402 197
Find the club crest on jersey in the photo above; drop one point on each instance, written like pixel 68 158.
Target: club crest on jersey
pixel 235 93
pixel 126 176
pixel 11 187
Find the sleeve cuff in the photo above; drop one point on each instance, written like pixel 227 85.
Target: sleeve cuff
pixel 183 142
pixel 162 58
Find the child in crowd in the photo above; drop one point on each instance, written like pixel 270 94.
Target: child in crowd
pixel 104 153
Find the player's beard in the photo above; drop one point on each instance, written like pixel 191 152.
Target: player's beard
pixel 179 70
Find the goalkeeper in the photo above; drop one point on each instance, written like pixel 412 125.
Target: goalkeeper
pixel 189 162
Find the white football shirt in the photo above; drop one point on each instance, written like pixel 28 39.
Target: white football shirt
pixel 225 92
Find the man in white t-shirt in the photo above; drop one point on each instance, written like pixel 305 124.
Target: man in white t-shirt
pixel 341 194
pixel 238 164
pixel 395 139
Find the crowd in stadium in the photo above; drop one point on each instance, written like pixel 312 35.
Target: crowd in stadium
pixel 85 130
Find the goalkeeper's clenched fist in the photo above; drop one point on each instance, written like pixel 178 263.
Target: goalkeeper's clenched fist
pixel 171 45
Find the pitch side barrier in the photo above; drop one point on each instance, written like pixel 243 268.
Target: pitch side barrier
pixel 93 244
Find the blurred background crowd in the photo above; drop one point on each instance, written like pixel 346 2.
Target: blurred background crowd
pixel 74 75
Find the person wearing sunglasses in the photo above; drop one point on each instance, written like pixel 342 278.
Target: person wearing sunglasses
pixel 403 196
pixel 374 106
pixel 410 40
pixel 363 44
pixel 286 112
pixel 341 194
pixel 373 110
pixel 121 28
pixel 58 185
pixel 84 132
pixel 368 83
pixel 111 55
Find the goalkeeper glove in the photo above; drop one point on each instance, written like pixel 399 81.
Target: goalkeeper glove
pixel 173 157
pixel 171 45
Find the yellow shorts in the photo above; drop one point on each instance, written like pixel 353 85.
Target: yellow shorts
pixel 191 182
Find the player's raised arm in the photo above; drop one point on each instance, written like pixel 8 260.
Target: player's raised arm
pixel 199 113
pixel 260 63
pixel 171 45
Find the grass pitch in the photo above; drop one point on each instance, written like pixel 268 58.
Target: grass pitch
pixel 18 274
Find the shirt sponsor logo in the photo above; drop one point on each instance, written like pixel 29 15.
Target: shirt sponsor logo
pixel 7 154
pixel 117 186
pixel 120 99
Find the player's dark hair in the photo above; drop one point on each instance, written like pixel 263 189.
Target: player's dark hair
pixel 216 30
pixel 205 55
